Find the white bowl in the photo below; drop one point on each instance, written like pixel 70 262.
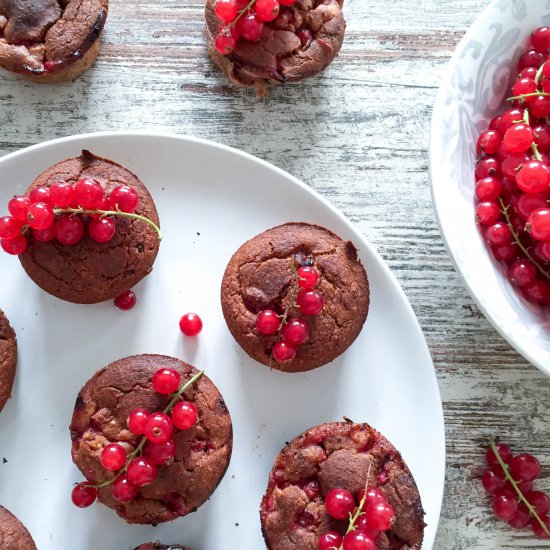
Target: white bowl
pixel 477 81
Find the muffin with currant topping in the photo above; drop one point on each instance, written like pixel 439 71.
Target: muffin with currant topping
pixel 295 297
pixel 324 474
pixel 13 534
pixel 8 358
pixel 65 240
pixel 153 438
pixel 50 41
pixel 275 41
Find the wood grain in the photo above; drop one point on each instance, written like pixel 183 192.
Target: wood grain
pixel 358 134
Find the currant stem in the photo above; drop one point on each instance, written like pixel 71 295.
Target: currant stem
pixel 504 210
pixel 180 392
pixel 509 478
pixel 539 72
pixel 104 213
pixel 523 96
pixel 244 10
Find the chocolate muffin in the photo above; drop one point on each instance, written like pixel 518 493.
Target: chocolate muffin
pixel 50 40
pixel 301 42
pixel 8 359
pixel 89 272
pixel 259 276
pixel 337 455
pixel 159 546
pixel 13 535
pixel 202 452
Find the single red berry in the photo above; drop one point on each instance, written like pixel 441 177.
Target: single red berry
pixel 113 457
pixel 371 496
pixel 40 194
pixel 141 471
pixel 489 166
pixel 489 142
pixel 511 164
pixel 125 301
pixel 226 10
pixel 15 246
pixel 518 138
pixel 505 505
pixel 505 252
pixel 504 452
pixel 305 36
pixel 530 58
pixel 137 420
pixel 539 500
pixel 103 205
pixel 283 352
pixel 296 331
pixel 310 302
pixel 330 540
pixel 537 292
pixel 339 503
pixel 88 193
pixel 525 467
pixel 361 525
pixel 124 198
pixel 529 202
pixel 487 213
pixel 62 194
pixel 307 277
pixel 379 516
pixel 538 224
pixel 267 10
pixel 45 235
pixel 83 495
pixel 161 453
pixel 522 272
pixel 40 215
pixel 538 530
pixel 540 39
pixel 539 105
pixel 69 229
pixel 184 415
pixel 522 517
pixel 533 177
pixel 102 229
pixel 267 322
pixel 493 480
pixel 123 490
pixel 9 227
pixel 488 189
pixel 251 27
pixel 544 250
pixel 509 118
pixel 159 428
pixel 498 234
pixel 190 324
pixel 528 72
pixel 542 137
pixel 18 207
pixel 524 86
pixel 225 43
pixel 358 540
pixel 166 381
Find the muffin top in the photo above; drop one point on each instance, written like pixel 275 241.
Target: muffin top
pixel 13 534
pixel 8 358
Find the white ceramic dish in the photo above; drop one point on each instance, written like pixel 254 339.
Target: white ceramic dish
pixel 473 91
pixel 210 199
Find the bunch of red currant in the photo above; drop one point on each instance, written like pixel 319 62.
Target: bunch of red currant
pixel 292 331
pixel 244 18
pixel 513 176
pixel 367 519
pixel 62 211
pixel 510 479
pixel 156 448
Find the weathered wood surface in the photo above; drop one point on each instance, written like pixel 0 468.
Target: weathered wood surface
pixel 358 135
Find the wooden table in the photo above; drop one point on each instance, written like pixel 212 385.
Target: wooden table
pixel 359 135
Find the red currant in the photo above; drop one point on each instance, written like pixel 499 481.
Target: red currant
pixel 371 496
pixel 184 415
pixel 537 292
pixel 44 235
pixel 62 194
pixel 361 525
pixel 267 322
pixel 124 198
pixel 522 517
pixel 379 516
pixel 540 39
pixel 88 193
pixel 488 189
pixel 330 540
pixel 69 229
pixel 113 457
pixel 518 138
pixel 499 234
pixel 339 503
pixel 40 194
pixel 15 246
pixel 102 229
pixel 296 331
pixel 267 10
pixel 525 467
pixel 538 529
pixel 123 490
pixel 505 505
pixel 310 302
pixel 489 166
pixel 83 495
pixel 539 500
pixel 161 453
pixel 166 381
pixel 511 164
pixel 137 420
pixel 307 277
pixel 504 452
pixel 487 213
pixel 529 202
pixel 539 224
pixel 125 301
pixel 9 227
pixel 226 10
pixel 530 58
pixel 141 471
pixel 190 324
pixel 489 142
pixel 251 27
pixel 524 86
pixel 533 177
pixel 225 43
pixel 539 105
pixel 505 252
pixel 493 480
pixel 305 36
pixel 522 272
pixel 159 428
pixel 40 215
pixel 18 207
pixel 283 352
pixel 358 540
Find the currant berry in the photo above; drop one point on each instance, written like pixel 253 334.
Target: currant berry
pixel 488 189
pixel 283 352
pixel 530 58
pixel 225 43
pixel 505 252
pixel 296 331
pixel 267 10
pixel 305 36
pixel 159 428
pixel 525 467
pixel 83 495
pixel 166 381
pixel 518 138
pixel 537 292
pixel 533 177
pixel 339 503
pixel 524 86
pixel 113 457
pixel 251 27
pixel 141 471
pixel 522 272
pixel 15 246
pixel 161 453
pixel 538 529
pixel 44 235
pixel 358 540
pixel 124 198
pixel 137 420
pixel 504 452
pixel 9 227
pixel 542 137
pixel 489 166
pixel 226 10
pixel 40 194
pixel 539 105
pixel 511 164
pixel 184 415
pixel 308 277
pixel 371 496
pixel 505 505
pixel 310 302
pixel 493 480
pixel 190 324
pixel 88 193
pixel 123 490
pixel 62 194
pixel 508 119
pixel 330 540
pixel 499 234
pixel 40 215
pixel 18 207
pixel 487 213
pixel 522 517
pixel 125 301
pixel 489 142
pixel 529 202
pixel 267 322
pixel 102 229
pixel 379 516
pixel 539 500
pixel 538 224
pixel 69 229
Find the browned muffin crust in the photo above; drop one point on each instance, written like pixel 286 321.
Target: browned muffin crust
pixel 13 534
pixel 280 56
pixel 159 546
pixel 337 455
pixel 8 358
pixel 203 452
pixel 259 277
pixel 90 272
pixel 50 40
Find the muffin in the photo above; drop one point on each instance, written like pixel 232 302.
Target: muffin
pixel 13 535
pixel 299 43
pixel 89 271
pixel 8 358
pixel 337 455
pixel 201 453
pixel 159 546
pixel 50 41
pixel 262 277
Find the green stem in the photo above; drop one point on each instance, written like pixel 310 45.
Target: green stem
pixel 104 213
pixel 539 72
pixel 509 478
pixel 244 10
pixel 523 96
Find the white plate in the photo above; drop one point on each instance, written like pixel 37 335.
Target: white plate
pixel 476 83
pixel 210 200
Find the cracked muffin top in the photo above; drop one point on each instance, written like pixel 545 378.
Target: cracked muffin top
pixel 301 42
pixel 259 276
pixel 8 358
pixel 50 40
pixel 337 455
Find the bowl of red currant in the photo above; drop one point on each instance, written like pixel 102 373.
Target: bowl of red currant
pixel 490 170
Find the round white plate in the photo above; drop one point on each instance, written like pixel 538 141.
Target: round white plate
pixel 476 83
pixel 210 199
